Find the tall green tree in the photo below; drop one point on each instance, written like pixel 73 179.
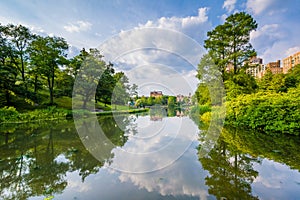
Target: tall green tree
pixel 20 38
pixel 90 68
pixel 229 43
pixel 121 90
pixel 47 54
pixel 8 72
pixel 106 85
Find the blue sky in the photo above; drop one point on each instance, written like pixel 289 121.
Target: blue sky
pixel 92 23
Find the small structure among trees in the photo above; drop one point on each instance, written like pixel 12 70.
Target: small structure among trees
pixel 156 94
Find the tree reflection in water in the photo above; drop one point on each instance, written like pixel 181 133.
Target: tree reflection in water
pixel 231 171
pixel 35 158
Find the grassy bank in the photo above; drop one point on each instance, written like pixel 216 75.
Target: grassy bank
pixel 11 115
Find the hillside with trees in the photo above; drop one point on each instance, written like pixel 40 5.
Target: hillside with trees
pixel 36 73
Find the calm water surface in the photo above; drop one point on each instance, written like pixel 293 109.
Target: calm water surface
pixel 53 161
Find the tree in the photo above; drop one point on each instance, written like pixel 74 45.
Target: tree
pixel 230 43
pixel 202 94
pixel 230 170
pixel 8 73
pixel 133 91
pixel 241 83
pixel 150 101
pixel 121 90
pixel 171 101
pixel 274 82
pixel 47 53
pixel 87 77
pixel 20 37
pixel 106 85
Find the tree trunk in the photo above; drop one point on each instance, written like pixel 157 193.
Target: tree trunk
pixel 35 84
pixel 7 96
pixel 84 103
pixel 23 72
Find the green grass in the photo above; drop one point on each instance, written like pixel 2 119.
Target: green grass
pixel 64 102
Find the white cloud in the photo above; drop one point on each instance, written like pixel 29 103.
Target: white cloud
pixel 194 20
pixel 78 26
pixel 223 18
pixel 153 146
pixel 292 50
pixel 270 30
pixel 179 23
pixel 166 47
pixel 229 5
pixel 269 41
pixel 166 43
pixel 145 53
pixel 258 6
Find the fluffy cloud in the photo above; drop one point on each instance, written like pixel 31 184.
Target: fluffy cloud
pixel 78 26
pixel 155 56
pixel 292 50
pixel 270 30
pixel 179 23
pixel 258 6
pixel 153 148
pixel 229 5
pixel 194 26
pixel 268 41
pixel 275 181
pixel 166 46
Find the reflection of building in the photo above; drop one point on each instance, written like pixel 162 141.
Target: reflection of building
pixel 156 94
pixel 179 98
pixel 185 99
pixel 290 62
pixel 156 118
pixel 179 113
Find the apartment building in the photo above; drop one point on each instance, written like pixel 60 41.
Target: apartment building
pixel 156 94
pixel 256 67
pixel 274 67
pixel 290 62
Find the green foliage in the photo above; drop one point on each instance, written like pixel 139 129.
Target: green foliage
pixel 46 54
pixel 240 83
pixel 202 94
pixel 150 101
pixel 203 109
pixel 229 43
pixel 267 111
pixel 200 109
pixel 121 89
pixel 171 101
pixel 34 67
pixel 8 113
pixel 11 115
pixel 106 85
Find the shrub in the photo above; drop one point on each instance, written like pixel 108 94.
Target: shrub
pixel 270 112
pixel 8 113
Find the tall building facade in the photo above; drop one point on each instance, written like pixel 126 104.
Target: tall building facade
pixel 274 67
pixel 156 94
pixel 256 67
pixel 290 62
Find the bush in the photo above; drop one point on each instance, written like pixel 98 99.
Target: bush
pixel 204 108
pixel 8 113
pixel 270 112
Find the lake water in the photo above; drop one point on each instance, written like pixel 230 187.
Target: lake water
pixel 145 157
